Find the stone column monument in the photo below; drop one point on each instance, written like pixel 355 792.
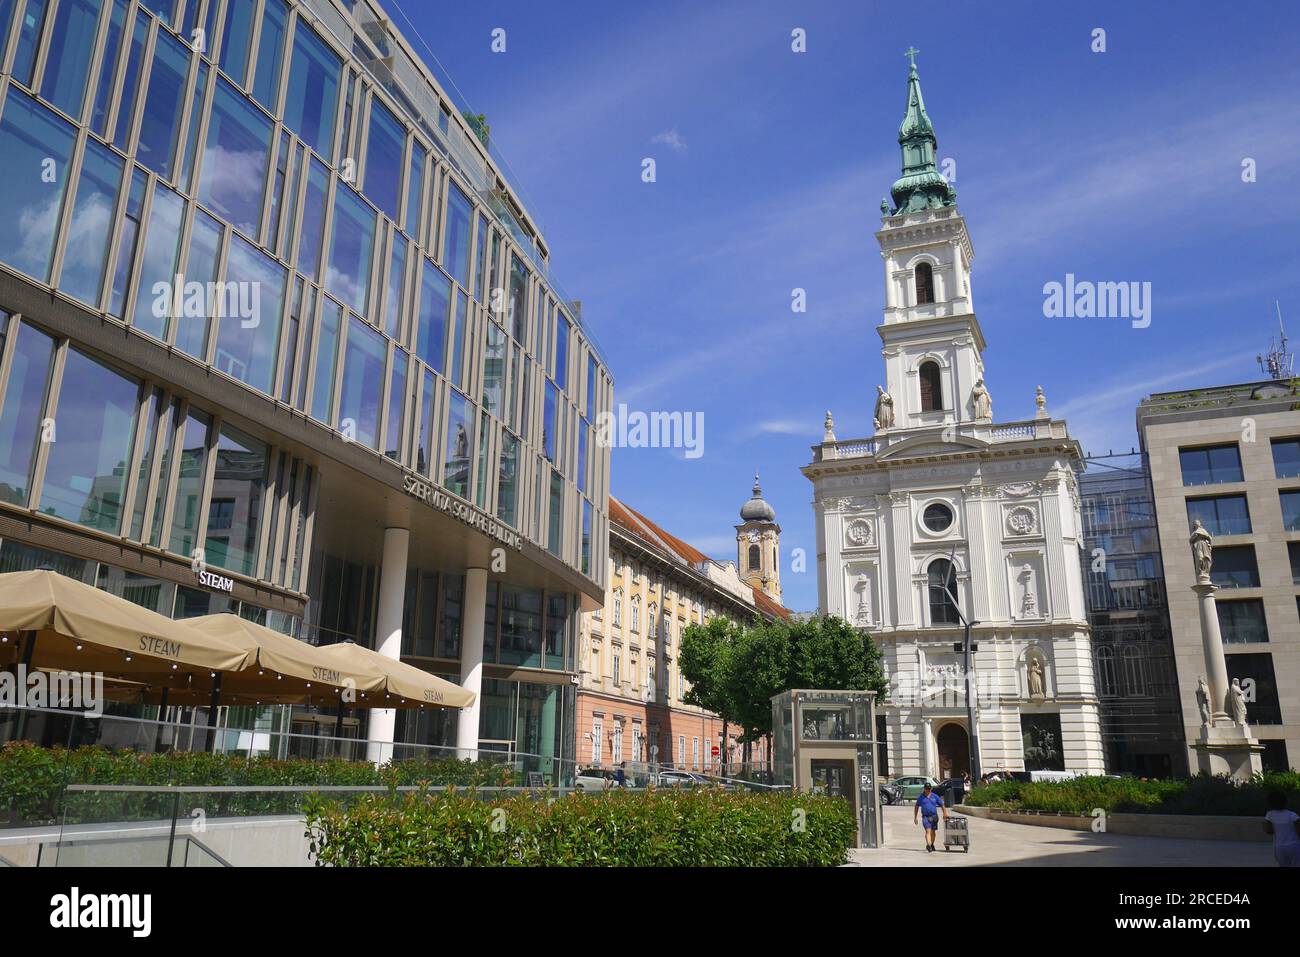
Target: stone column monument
pixel 1225 745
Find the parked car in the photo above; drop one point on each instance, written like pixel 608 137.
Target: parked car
pixel 596 779
pixel 911 787
pixel 890 794
pixel 680 779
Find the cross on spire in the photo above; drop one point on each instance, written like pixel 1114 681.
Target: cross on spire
pixel 911 53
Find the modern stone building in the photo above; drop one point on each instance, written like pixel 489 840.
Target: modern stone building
pixel 943 509
pixel 269 305
pixel 1230 456
pixel 631 699
pixel 1132 648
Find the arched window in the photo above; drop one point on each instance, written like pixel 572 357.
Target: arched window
pixel 1106 672
pixel 931 387
pixel 942 581
pixel 1134 680
pixel 754 561
pixel 924 284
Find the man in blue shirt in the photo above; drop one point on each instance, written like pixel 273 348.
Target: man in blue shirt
pixel 927 808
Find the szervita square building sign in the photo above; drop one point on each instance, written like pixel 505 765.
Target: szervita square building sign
pixel 944 509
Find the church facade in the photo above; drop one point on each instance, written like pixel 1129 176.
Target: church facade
pixel 946 515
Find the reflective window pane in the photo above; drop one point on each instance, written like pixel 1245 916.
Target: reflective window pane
pixel 235 159
pixel 562 330
pixel 128 230
pixel 459 212
pixel 266 82
pixel 90 231
pixel 313 220
pixel 164 102
pixel 235 512
pixel 351 246
pixel 154 298
pixel 189 485
pixel 428 429
pixel 507 478
pixel 86 472
pixel 313 95
pixel 24 406
pixel 248 315
pixel 363 384
pixel 396 406
pixel 457 453
pixel 415 190
pixel 396 285
pixel 494 369
pixel 431 334
pixel 126 105
pixel 385 146
pixel 156 412
pixel 29 35
pixel 518 298
pixel 199 297
pixel 108 66
pixel 322 393
pixel 235 37
pixel 6 18
pixel 68 61
pixel 35 146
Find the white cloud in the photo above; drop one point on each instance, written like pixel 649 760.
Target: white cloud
pixel 672 139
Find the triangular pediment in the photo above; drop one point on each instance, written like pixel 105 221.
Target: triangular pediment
pixel 927 445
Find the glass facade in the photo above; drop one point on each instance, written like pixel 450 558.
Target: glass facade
pixel 295 207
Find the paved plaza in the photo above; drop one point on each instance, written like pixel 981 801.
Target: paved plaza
pixel 1024 845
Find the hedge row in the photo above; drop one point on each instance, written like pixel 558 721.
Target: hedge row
pixel 1199 795
pixel 32 780
pixel 661 828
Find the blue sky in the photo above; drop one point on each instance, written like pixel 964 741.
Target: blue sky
pixel 1114 166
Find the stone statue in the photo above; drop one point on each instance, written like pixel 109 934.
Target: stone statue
pixel 884 206
pixel 1037 686
pixel 884 410
pixel 1203 702
pixel 1235 704
pixel 981 400
pixel 829 426
pixel 1029 600
pixel 862 615
pixel 1040 400
pixel 1202 551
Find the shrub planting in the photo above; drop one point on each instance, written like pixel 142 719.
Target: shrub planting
pixel 1203 794
pixel 32 781
pixel 659 828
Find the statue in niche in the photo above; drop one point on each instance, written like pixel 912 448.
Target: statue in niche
pixel 1029 598
pixel 1203 702
pixel 1202 551
pixel 884 410
pixel 1037 680
pixel 862 615
pixel 1235 704
pixel 982 401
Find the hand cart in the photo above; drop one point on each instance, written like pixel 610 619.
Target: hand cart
pixel 956 833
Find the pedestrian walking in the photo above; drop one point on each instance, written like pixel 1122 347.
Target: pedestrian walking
pixel 1284 825
pixel 927 809
pixel 966 786
pixel 620 776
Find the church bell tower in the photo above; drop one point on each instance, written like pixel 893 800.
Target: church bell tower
pixel 758 545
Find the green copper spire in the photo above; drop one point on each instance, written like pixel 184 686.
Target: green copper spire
pixel 920 186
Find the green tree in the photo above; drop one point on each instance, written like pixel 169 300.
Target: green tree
pixel 703 660
pixel 828 652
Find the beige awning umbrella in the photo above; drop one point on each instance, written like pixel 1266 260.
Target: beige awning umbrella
pixel 78 627
pixel 286 666
pixel 405 686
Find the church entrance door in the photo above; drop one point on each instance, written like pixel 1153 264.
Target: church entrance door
pixel 954 751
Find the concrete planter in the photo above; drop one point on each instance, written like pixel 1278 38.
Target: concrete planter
pixel 1205 827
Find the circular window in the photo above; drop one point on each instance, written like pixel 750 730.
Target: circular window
pixel 937 517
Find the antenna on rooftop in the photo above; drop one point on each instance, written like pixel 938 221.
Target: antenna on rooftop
pixel 1278 362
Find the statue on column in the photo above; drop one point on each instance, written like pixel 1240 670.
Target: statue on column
pixel 1202 551
pixel 884 410
pixel 1203 702
pixel 1235 704
pixel 982 401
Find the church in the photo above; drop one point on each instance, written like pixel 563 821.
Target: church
pixel 946 516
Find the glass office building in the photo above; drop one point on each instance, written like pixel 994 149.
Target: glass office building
pixel 272 307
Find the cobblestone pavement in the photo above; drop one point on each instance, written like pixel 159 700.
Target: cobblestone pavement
pixel 1025 845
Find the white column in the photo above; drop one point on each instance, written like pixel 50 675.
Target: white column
pixel 1216 666
pixel 927 742
pixel 474 618
pixel 388 633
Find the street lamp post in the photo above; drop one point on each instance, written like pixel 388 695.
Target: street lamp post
pixel 967 648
